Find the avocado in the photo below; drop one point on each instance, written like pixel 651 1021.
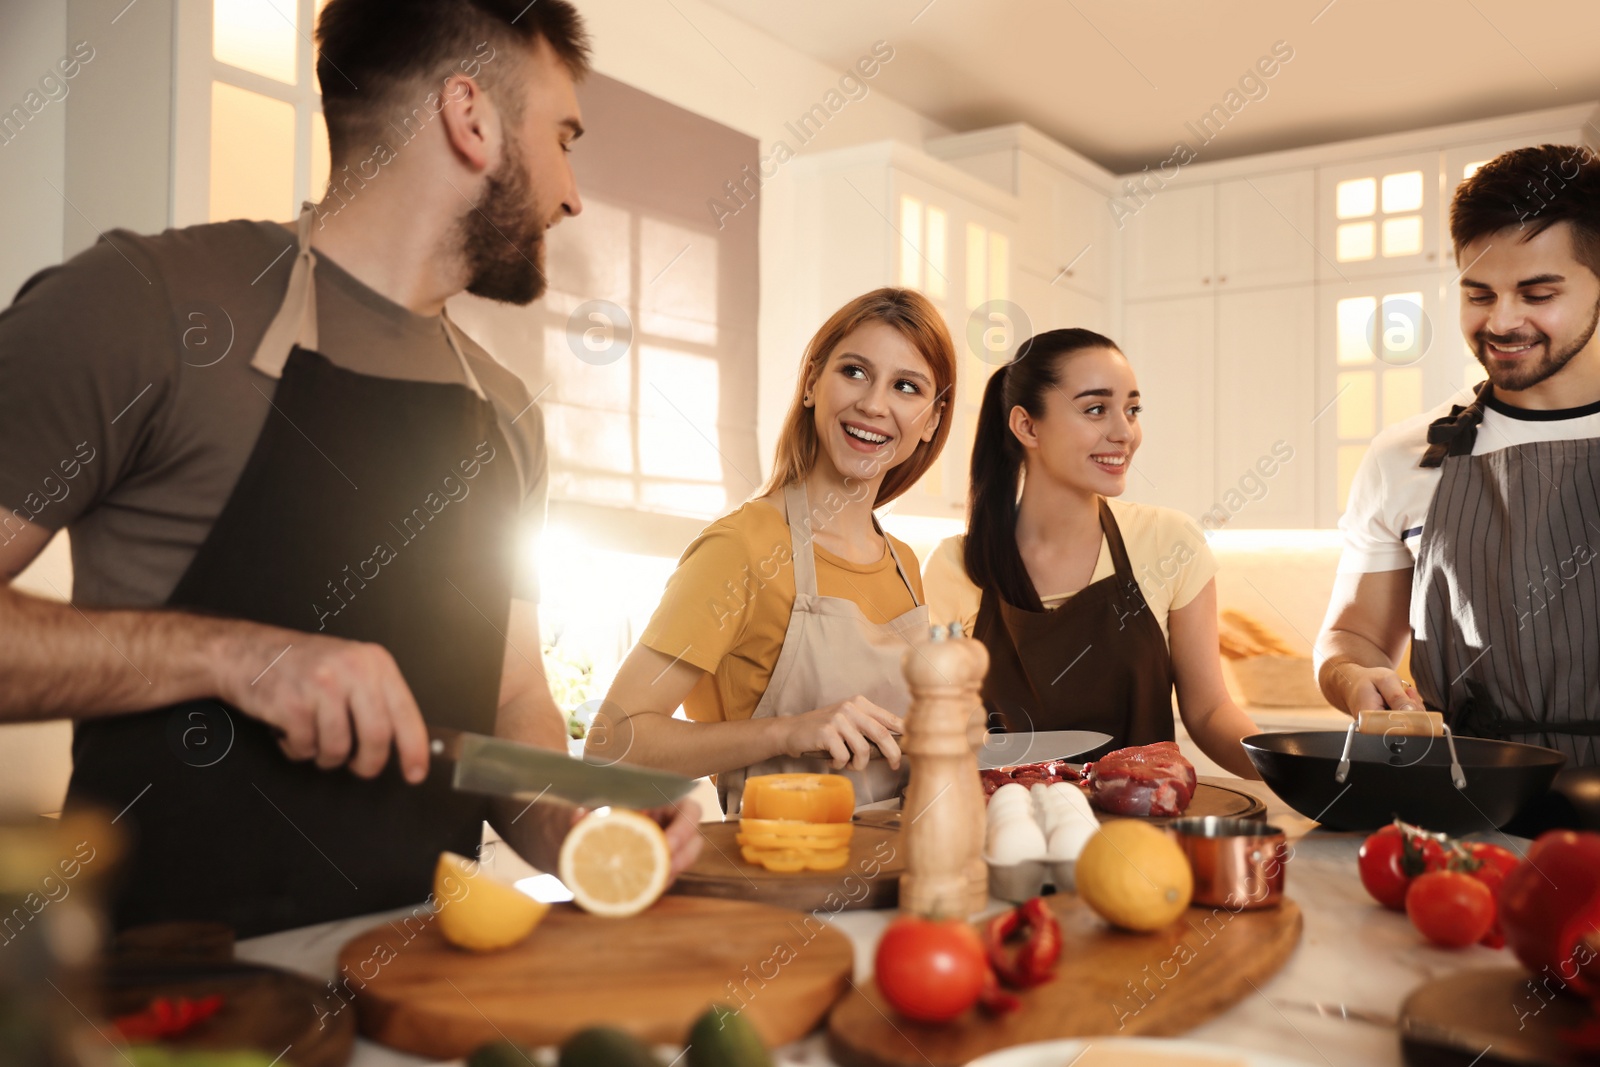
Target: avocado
pixel 500 1054
pixel 604 1046
pixel 723 1037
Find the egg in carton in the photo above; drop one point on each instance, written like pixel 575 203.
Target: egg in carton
pixel 1033 837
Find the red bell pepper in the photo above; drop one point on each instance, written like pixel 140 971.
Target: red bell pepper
pixel 167 1017
pixel 1548 905
pixel 1032 961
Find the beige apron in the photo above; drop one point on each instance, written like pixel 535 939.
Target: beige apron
pixel 832 652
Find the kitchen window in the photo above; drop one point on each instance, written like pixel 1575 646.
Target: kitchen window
pixel 250 138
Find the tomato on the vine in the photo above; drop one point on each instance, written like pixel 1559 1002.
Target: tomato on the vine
pixel 1450 908
pixel 931 970
pixel 1489 864
pixel 1393 856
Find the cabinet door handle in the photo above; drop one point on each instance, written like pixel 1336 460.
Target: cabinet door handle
pixel 1206 280
pixel 1222 279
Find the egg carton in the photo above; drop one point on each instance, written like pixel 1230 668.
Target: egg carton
pixel 1017 882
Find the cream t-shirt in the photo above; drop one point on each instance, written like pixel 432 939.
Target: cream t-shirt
pixel 1170 558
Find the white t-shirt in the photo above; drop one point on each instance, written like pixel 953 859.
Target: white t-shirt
pixel 1390 495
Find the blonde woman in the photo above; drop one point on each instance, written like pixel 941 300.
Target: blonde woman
pixel 781 631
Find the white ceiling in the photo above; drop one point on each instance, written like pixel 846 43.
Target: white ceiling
pixel 1117 79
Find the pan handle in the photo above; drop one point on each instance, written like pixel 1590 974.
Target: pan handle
pixel 1417 723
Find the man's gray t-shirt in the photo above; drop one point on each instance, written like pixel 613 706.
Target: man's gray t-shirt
pixel 128 405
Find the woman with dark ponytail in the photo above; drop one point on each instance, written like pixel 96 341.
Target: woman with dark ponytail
pixel 1092 608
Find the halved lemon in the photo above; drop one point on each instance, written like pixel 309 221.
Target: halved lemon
pixel 478 913
pixel 615 862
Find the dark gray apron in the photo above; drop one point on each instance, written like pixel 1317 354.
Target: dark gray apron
pixel 1505 599
pixel 373 509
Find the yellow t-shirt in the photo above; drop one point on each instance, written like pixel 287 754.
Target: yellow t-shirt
pixel 726 608
pixel 1170 559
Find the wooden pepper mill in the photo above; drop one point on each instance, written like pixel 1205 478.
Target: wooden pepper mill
pixel 943 817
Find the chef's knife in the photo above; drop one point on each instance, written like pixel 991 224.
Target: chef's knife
pixel 1036 746
pixel 1025 746
pixel 511 769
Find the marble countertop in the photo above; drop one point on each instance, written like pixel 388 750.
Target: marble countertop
pixel 1353 954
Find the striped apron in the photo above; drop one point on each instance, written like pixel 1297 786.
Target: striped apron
pixel 1505 599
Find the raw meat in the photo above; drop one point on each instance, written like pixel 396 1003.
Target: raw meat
pixel 1044 773
pixel 1027 774
pixel 1148 780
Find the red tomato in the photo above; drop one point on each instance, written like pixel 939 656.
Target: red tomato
pixel 1493 863
pixel 1392 857
pixel 1450 908
pixel 930 970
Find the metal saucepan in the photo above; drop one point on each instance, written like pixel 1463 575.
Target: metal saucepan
pixel 1403 764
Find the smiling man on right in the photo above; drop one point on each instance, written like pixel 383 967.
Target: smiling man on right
pixel 1473 530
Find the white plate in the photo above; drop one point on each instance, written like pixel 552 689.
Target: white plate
pixel 1061 1053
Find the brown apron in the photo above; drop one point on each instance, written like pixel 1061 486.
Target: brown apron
pixel 1097 662
pixel 832 652
pixel 1505 598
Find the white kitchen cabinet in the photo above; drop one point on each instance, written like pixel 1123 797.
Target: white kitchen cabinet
pixel 1054 307
pixel 1241 233
pixel 1379 216
pixel 1065 233
pixel 1171 344
pixel 1266 401
pixel 1266 231
pixel 1070 244
pixel 1169 244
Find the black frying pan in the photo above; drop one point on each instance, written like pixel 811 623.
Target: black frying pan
pixel 1400 766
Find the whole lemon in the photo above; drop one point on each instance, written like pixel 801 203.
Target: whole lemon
pixel 1134 876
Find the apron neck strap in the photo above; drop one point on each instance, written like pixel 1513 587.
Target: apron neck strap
pixel 1455 434
pixel 797 509
pixel 296 320
pixel 1114 545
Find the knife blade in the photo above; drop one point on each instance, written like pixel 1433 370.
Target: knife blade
pixel 499 767
pixel 1008 750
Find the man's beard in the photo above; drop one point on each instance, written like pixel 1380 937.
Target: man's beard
pixel 1520 374
pixel 502 237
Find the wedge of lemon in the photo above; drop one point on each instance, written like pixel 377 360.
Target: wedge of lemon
pixel 615 862
pixel 478 913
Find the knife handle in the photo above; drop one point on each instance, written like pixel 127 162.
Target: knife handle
pixel 877 753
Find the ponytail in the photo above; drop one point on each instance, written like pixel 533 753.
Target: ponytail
pixel 990 553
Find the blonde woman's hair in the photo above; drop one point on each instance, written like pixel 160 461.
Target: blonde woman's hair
pixel 907 311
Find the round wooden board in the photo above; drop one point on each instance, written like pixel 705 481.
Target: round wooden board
pixel 265 1009
pixel 1212 799
pixel 870 880
pixel 1109 982
pixel 652 975
pixel 1488 1017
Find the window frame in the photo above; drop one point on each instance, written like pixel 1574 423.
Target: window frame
pixel 196 68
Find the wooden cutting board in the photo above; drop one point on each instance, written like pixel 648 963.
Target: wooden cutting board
pixel 1488 1017
pixel 1109 982
pixel 1211 799
pixel 652 975
pixel 870 880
